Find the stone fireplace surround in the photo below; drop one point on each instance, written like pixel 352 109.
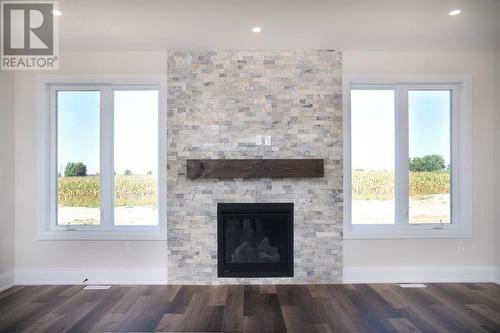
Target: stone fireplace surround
pixel 218 101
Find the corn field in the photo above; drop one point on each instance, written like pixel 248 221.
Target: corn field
pixel 133 190
pixel 140 190
pixel 379 185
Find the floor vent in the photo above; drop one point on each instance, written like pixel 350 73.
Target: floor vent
pixel 412 285
pixel 97 287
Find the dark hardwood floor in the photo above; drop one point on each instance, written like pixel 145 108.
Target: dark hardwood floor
pixel 292 308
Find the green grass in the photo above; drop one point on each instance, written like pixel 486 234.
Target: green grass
pixel 379 185
pixel 134 190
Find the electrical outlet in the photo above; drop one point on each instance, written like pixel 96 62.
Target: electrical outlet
pixel 267 140
pixel 258 140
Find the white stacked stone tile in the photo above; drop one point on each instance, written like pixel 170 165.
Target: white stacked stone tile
pixel 218 101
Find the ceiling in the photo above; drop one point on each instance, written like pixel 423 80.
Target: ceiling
pixel 226 24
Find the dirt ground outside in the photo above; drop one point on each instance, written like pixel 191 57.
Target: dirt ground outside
pixel 423 209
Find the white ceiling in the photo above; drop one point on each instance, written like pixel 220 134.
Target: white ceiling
pixel 226 24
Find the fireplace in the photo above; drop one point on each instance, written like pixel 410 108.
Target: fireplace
pixel 255 239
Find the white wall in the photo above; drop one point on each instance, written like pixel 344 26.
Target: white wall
pixel 118 261
pixel 6 179
pixel 71 261
pixel 378 258
pixel 497 163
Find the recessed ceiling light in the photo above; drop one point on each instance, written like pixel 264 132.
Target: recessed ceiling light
pixel 256 29
pixel 454 12
pixel 56 12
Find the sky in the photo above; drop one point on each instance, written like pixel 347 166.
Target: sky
pixel 135 130
pixel 373 127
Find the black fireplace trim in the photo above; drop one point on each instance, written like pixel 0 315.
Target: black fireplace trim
pixel 286 270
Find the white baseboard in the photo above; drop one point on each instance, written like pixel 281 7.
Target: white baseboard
pixel 46 276
pixel 6 280
pixel 415 274
pixel 158 276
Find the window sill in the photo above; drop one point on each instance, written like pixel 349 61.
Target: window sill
pixel 153 235
pixel 397 232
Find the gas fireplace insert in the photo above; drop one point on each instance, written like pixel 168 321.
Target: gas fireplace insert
pixel 255 239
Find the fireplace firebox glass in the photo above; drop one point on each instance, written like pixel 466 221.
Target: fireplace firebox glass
pixel 255 240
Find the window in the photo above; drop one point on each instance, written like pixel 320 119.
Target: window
pixel 429 143
pixel 373 156
pixel 407 158
pixel 78 157
pixel 136 157
pixel 105 174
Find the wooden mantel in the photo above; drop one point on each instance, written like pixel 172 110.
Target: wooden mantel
pixel 255 168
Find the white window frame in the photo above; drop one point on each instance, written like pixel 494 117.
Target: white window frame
pixel 461 156
pixel 47 86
